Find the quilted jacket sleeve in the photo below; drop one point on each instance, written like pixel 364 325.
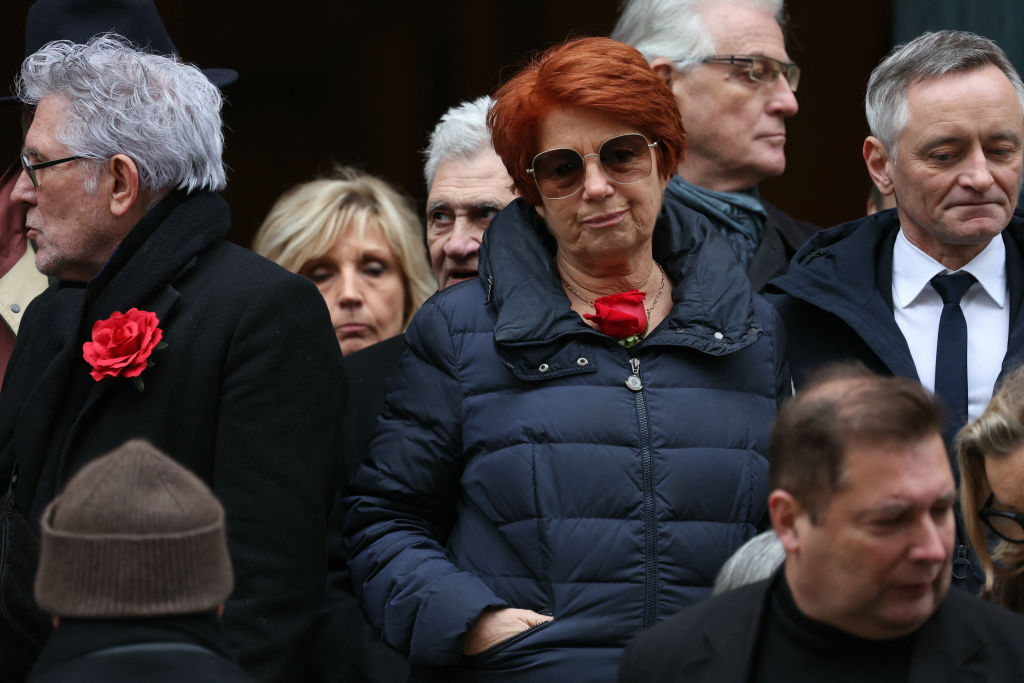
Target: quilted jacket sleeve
pixel 403 505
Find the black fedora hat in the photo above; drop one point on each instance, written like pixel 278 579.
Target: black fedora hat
pixel 80 20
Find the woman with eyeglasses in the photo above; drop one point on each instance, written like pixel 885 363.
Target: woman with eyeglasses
pixel 576 441
pixel 991 454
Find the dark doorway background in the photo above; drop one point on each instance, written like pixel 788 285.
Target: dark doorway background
pixel 363 83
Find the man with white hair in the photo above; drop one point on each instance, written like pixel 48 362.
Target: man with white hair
pixel 157 328
pixel 932 290
pixel 467 186
pixel 726 63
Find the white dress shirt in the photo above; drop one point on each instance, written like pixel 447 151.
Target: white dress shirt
pixel 918 307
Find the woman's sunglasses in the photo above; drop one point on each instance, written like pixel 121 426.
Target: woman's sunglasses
pixel 625 159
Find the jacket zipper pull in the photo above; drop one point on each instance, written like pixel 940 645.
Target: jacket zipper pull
pixel 633 381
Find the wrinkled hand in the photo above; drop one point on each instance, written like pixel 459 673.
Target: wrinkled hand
pixel 499 625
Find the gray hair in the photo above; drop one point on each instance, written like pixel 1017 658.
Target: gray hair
pixel 163 114
pixel 675 28
pixel 461 133
pixel 754 561
pixel 930 55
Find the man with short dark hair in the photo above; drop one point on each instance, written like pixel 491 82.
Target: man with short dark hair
pixel 158 328
pixel 863 505
pixel 726 63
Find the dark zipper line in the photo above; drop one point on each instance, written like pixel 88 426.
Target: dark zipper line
pixel 650 518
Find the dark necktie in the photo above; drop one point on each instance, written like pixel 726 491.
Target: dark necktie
pixel 951 351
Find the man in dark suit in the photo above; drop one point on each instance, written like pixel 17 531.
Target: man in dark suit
pixel 157 328
pixel 933 289
pixel 726 64
pixel 863 505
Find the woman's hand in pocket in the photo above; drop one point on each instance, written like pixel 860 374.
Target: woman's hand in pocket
pixel 499 625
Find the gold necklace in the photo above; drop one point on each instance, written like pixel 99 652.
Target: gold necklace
pixel 657 297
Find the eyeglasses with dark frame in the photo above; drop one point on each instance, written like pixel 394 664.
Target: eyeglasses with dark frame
pixel 1009 526
pixel 30 169
pixel 625 159
pixel 760 68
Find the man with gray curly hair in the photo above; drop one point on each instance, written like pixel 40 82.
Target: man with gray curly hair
pixel 726 63
pixel 157 328
pixel 467 185
pixel 929 290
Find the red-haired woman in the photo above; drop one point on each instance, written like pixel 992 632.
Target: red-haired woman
pixel 576 441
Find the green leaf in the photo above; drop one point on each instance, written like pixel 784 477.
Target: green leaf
pixel 161 346
pixel 630 341
pixel 138 383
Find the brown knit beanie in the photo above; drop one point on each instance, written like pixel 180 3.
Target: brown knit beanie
pixel 134 534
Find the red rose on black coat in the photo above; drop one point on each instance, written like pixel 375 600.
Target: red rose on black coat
pixel 121 344
pixel 620 315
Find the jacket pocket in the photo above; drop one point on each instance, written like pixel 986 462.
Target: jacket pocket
pixel 482 659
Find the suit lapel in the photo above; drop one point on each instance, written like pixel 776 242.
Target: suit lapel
pixel 945 646
pixel 726 632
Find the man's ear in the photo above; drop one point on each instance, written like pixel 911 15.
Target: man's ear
pixel 123 185
pixel 665 68
pixel 877 159
pixel 785 510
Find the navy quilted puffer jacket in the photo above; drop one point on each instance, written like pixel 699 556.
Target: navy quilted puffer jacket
pixel 514 467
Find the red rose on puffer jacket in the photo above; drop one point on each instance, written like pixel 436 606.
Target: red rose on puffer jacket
pixel 121 344
pixel 620 315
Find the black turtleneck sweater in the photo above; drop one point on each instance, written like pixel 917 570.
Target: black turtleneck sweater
pixel 793 648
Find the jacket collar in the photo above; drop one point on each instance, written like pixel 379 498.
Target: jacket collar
pixel 847 271
pixel 166 240
pixel 713 303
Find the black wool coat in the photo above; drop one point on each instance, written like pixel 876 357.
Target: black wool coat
pixel 248 394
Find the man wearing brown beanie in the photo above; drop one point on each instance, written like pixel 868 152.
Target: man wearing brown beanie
pixel 134 567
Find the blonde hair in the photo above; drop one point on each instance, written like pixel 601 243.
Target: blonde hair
pixel 997 434
pixel 307 221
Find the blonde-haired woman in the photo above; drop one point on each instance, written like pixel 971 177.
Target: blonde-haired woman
pixel 360 241
pixel 991 454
